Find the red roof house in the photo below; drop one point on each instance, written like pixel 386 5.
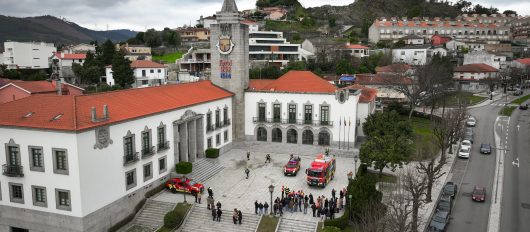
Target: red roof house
pixel 294 82
pixel 11 90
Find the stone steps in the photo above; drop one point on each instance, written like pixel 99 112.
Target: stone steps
pixel 151 216
pixel 204 169
pixel 200 220
pixel 291 225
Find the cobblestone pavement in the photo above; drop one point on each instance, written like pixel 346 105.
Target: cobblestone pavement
pixel 235 191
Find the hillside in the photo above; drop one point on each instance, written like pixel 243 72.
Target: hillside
pixel 52 29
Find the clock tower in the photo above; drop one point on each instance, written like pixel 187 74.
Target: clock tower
pixel 229 45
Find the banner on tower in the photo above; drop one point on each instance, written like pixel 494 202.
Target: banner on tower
pixel 226 69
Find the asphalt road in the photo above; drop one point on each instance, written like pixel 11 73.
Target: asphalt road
pixel 515 207
pixel 467 215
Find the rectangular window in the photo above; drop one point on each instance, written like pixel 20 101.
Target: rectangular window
pixel 218 139
pixel 217 119
pixel 16 193
pixel 308 114
pixel 128 144
pixel 160 70
pixel 143 73
pixel 292 113
pixel 276 113
pixel 39 196
pixel 161 131
pixel 130 179
pixel 146 143
pixel 225 117
pixel 209 142
pixel 162 165
pixel 13 157
pixel 62 199
pixel 60 161
pixel 36 159
pixel 148 171
pixel 152 71
pixel 209 126
pixel 226 136
pixel 324 115
pixel 261 112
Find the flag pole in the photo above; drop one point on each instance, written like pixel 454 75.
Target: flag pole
pixel 344 131
pixel 340 125
pixel 349 126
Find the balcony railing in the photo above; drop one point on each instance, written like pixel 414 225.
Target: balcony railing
pixel 130 158
pixel 210 128
pixel 12 170
pixel 227 122
pixel 163 146
pixel 148 151
pixel 293 122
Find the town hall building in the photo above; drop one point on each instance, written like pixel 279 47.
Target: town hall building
pixel 83 162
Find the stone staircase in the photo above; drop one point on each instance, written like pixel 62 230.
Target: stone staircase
pixel 150 217
pixel 200 220
pixel 291 225
pixel 204 169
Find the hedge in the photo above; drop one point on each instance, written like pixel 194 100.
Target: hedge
pixel 212 153
pixel 173 219
pixel 183 167
pixel 340 222
pixel 330 229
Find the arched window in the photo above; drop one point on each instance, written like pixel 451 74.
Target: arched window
pixel 307 137
pixel 292 136
pixel 323 138
pixel 262 134
pixel 277 135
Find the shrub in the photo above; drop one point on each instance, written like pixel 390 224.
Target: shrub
pixel 212 153
pixel 330 229
pixel 172 219
pixel 183 167
pixel 340 222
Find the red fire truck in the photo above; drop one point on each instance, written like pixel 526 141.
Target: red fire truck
pixel 321 171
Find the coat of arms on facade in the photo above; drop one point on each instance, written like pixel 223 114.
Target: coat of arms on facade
pixel 225 45
pixel 102 137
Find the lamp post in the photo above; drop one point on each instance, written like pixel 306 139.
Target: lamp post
pixel 355 158
pixel 271 190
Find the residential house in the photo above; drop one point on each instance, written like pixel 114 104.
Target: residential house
pixel 28 55
pixel 356 50
pixel 412 55
pixel 521 29
pixel 274 13
pixel 195 65
pixel 62 65
pixel 206 22
pixel 474 77
pixel 146 73
pixel 482 57
pixel 523 63
pixel 135 52
pixel 413 40
pixel 12 90
pixel 193 34
pixel 386 85
pixel 80 48
pixel 367 106
pixel 437 40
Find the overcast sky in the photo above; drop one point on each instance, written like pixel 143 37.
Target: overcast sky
pixel 142 14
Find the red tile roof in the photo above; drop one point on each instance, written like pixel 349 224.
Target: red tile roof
pixel 525 61
pixel 143 64
pixel 123 105
pixel 475 68
pixel 355 46
pixel 380 79
pixel 395 68
pixel 295 82
pixel 36 86
pixel 367 94
pixel 65 56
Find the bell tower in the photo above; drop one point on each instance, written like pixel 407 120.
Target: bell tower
pixel 229 45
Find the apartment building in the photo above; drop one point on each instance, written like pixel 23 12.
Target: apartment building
pixel 28 55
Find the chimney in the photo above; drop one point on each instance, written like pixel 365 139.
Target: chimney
pixel 105 111
pixel 94 116
pixel 59 87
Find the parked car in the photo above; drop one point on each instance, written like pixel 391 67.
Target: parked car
pixel 469 137
pixel 518 92
pixel 450 189
pixel 485 148
pixel 479 193
pixel 439 221
pixel 523 107
pixel 184 184
pixel 465 143
pixel 444 206
pixel 292 167
pixel 471 121
pixel 469 130
pixel 464 152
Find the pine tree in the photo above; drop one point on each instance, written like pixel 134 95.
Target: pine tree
pixel 121 70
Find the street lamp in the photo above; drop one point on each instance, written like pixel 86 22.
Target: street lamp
pixel 271 190
pixel 355 158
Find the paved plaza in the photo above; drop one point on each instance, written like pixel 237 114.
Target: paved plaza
pixel 235 191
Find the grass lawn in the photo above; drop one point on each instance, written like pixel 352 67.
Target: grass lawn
pixel 520 100
pixel 423 130
pixel 169 58
pixel 456 97
pixel 268 224
pixel 507 111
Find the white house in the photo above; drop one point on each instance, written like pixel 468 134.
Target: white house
pixel 80 48
pixel 28 55
pixel 366 106
pixel 300 108
pixel 356 50
pixel 482 57
pixel 147 73
pixel 62 64
pixel 101 152
pixel 413 40
pixel 207 22
pixel 413 55
pixel 474 77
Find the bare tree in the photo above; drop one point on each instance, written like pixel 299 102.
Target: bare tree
pixel 415 185
pixel 369 219
pixel 398 211
pixel 401 81
pixel 431 169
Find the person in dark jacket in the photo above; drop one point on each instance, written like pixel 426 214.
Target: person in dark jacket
pixel 260 208
pixel 219 213
pixel 311 201
pixel 218 205
pixel 256 206
pixel 314 208
pixel 210 192
pixel 247 172
pixel 239 216
pixel 333 191
pixel 266 208
pixel 235 216
pixel 214 213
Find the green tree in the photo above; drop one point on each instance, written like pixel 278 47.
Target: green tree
pixel 152 38
pixel 121 70
pixel 268 72
pixel 399 44
pixel 389 142
pixel 364 198
pixel 296 65
pixel 107 52
pixel 332 22
pixel 90 71
pixel 510 12
pixel 344 67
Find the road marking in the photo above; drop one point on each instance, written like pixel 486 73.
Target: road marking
pixel 516 163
